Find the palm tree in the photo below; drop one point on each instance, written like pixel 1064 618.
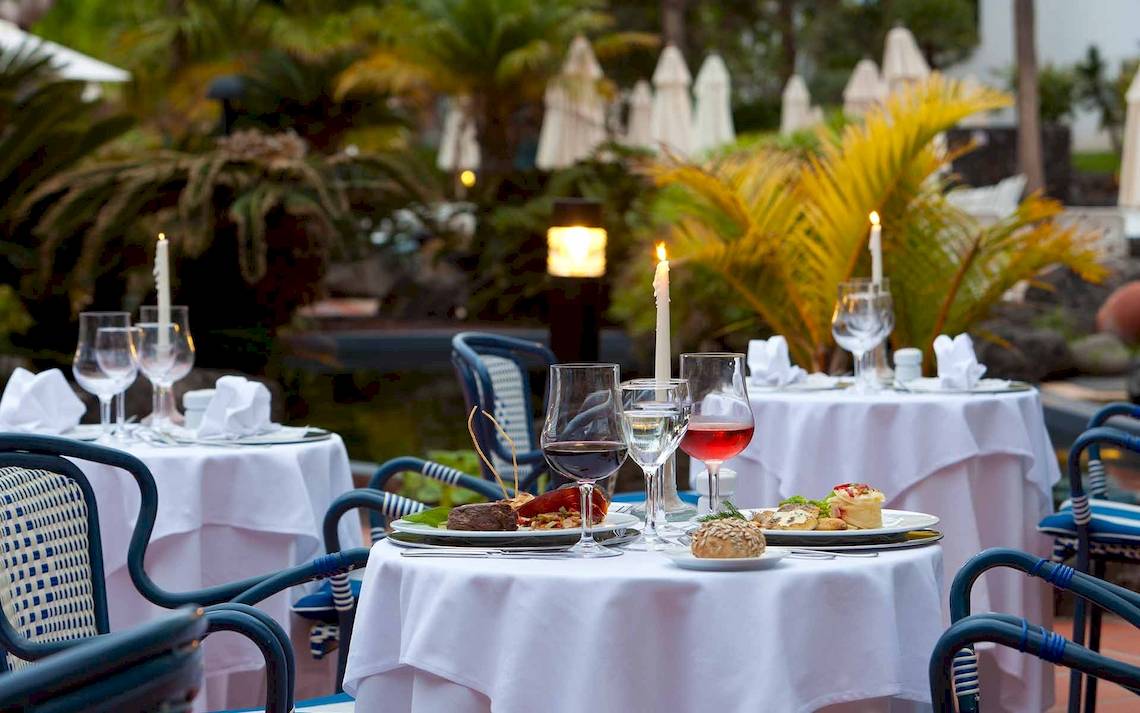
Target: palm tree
pixel 1030 155
pixel 774 231
pixel 673 22
pixel 499 53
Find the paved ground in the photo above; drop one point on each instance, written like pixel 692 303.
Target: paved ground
pixel 1120 640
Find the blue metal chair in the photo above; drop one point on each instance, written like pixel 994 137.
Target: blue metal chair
pixel 153 667
pixel 52 592
pixel 1097 530
pixel 954 666
pixel 494 372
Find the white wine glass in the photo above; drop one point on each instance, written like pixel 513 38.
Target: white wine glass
pixel 655 416
pixel 163 404
pixel 117 358
pixel 863 317
pixel 85 364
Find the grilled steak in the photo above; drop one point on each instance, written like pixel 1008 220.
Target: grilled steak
pixel 483 516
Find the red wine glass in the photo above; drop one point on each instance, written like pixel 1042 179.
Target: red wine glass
pixel 721 424
pixel 582 437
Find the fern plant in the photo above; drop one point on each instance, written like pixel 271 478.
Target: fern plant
pixel 777 231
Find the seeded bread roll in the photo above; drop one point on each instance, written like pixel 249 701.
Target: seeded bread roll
pixel 728 539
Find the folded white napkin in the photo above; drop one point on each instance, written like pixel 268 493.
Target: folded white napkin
pixel 958 367
pixel 769 364
pixel 39 403
pixel 240 407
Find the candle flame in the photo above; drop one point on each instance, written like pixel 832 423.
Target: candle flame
pixel 874 218
pixel 162 236
pixel 661 252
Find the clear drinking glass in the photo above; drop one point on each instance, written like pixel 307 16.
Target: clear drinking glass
pixel 85 365
pixel 160 351
pixel 721 424
pixel 582 436
pixel 655 415
pixel 116 356
pixel 163 406
pixel 863 317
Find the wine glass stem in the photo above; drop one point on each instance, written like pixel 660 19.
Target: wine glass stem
pixel 654 514
pixel 714 485
pixel 121 414
pixel 585 496
pixel 105 414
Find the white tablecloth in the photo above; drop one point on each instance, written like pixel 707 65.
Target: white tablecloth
pixel 635 633
pixel 224 514
pixel 983 464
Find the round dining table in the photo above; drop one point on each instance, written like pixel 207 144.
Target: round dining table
pixel 982 463
pixel 638 633
pixel 225 513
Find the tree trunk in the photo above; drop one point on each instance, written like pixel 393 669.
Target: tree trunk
pixel 1029 151
pixel 673 23
pixel 787 28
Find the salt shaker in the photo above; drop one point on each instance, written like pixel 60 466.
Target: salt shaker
pixel 908 365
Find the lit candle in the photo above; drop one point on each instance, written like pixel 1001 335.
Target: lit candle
pixel 162 287
pixel 663 359
pixel 876 247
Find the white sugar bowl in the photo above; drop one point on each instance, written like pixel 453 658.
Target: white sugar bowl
pixel 194 403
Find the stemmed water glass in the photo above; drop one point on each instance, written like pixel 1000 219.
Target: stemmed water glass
pixel 721 424
pixel 163 407
pixel 864 316
pixel 85 365
pixel 116 356
pixel 582 437
pixel 160 350
pixel 655 415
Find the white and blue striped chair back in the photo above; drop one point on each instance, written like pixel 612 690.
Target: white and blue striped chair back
pixel 511 411
pixel 47 582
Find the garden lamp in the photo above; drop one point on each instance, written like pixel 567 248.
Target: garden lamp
pixel 576 262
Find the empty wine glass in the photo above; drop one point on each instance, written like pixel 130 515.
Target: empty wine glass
pixel 582 436
pixel 721 424
pixel 162 402
pixel 85 365
pixel 160 349
pixel 863 317
pixel 117 358
pixel 655 415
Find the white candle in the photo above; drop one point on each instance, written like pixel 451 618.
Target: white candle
pixel 663 358
pixel 162 287
pixel 876 248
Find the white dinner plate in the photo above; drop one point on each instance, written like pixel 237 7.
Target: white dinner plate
pixel 84 432
pixel 894 522
pixel 687 560
pixel 283 435
pixel 905 544
pixel 614 521
pixel 932 385
pixel 814 382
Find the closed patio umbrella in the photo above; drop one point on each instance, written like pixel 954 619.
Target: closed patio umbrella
pixel 639 126
pixel 713 114
pixel 865 89
pixel 458 147
pixel 903 62
pixel 795 106
pixel 1130 161
pixel 68 63
pixel 672 125
pixel 574 123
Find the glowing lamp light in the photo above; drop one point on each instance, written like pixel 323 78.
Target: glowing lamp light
pixel 576 240
pixel 467 178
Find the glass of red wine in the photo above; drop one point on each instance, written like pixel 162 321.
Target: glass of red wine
pixel 582 437
pixel 721 424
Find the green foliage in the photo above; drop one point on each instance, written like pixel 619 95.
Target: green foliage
pixel 1056 92
pixel 946 30
pixel 14 319
pixel 1096 162
pixel 427 490
pixel 779 231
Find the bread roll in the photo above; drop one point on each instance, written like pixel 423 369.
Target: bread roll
pixel 728 539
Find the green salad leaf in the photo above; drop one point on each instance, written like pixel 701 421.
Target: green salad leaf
pixel 433 517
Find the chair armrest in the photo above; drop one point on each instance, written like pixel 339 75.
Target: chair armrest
pixel 1116 599
pixel 435 471
pixel 1017 634
pixel 271 640
pixel 323 567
